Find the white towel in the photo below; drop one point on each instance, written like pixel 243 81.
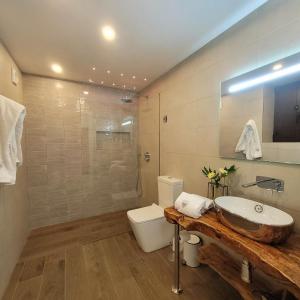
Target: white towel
pixel 192 205
pixel 249 142
pixel 183 199
pixel 12 115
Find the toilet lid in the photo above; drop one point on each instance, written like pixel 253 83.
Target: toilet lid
pixel 145 214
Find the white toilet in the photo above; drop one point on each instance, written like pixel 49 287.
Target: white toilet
pixel 151 229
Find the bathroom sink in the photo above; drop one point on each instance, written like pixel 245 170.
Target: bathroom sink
pixel 255 220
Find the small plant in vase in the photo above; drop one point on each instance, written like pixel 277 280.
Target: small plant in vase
pixel 225 172
pixel 216 177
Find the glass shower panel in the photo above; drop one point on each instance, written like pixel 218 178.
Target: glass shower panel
pixel 110 156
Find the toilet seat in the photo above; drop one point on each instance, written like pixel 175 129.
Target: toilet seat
pixel 145 214
pixel 150 227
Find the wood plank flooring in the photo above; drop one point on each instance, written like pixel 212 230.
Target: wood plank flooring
pixel 98 258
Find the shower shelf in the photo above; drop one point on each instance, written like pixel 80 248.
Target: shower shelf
pixel 112 132
pixel 116 138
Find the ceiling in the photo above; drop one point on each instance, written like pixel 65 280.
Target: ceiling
pixel 151 36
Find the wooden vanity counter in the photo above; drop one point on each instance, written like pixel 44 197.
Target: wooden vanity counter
pixel 282 262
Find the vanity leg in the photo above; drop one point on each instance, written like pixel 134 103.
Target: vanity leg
pixel 284 295
pixel 176 285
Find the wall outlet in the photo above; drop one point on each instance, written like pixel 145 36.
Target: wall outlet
pixel 14 75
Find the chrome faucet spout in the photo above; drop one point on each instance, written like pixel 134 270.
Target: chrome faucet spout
pixel 257 182
pixel 267 183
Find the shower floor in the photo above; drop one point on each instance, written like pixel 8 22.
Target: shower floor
pixel 98 258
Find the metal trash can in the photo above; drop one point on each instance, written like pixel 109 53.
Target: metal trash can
pixel 190 251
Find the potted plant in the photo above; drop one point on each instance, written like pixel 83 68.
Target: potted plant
pixel 217 179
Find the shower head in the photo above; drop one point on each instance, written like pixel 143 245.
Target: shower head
pixel 127 99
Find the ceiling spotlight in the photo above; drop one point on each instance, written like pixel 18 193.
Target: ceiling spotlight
pixel 108 33
pixel 133 77
pixel 277 67
pixel 56 68
pixel 113 84
pixel 102 82
pixel 86 92
pixel 121 74
pixel 93 68
pixel 108 71
pixel 124 86
pixel 145 79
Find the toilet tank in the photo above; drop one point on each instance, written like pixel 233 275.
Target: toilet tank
pixel 169 188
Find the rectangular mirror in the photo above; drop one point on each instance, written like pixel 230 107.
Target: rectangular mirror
pixel 260 113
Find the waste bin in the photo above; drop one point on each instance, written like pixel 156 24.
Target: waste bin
pixel 190 251
pixel 184 236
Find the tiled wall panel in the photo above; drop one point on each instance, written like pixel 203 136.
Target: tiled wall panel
pixel 69 175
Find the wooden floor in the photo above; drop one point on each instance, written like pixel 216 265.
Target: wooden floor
pixel 98 258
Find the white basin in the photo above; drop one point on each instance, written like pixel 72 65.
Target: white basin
pixel 256 220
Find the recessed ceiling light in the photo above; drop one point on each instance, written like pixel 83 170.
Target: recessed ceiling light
pixel 145 79
pixel 133 77
pixel 93 68
pixel 108 33
pixel 108 71
pixel 102 82
pixel 56 68
pixel 113 84
pixel 86 92
pixel 121 74
pixel 124 86
pixel 277 67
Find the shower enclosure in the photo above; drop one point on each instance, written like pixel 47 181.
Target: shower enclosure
pixel 81 143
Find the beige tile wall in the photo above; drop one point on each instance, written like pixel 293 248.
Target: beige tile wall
pixel 190 95
pixel 14 221
pixel 74 172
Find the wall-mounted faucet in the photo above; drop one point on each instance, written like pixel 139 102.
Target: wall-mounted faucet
pixel 267 183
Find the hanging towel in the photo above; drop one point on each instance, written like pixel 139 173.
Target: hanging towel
pixel 249 142
pixel 12 115
pixel 192 205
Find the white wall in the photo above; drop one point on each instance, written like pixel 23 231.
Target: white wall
pixel 13 199
pixel 190 95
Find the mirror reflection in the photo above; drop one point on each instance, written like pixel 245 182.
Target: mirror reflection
pixel 260 113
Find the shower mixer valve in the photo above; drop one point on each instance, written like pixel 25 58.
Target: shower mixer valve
pixel 147 156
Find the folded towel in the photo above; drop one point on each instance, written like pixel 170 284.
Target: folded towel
pixel 192 205
pixel 249 142
pixel 184 199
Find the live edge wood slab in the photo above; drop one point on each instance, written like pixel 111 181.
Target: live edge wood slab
pixel 280 261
